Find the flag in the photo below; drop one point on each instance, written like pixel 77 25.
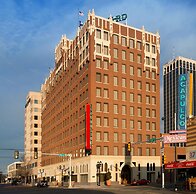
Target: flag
pixel 81 13
pixel 80 24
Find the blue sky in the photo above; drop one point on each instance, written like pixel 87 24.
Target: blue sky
pixel 30 30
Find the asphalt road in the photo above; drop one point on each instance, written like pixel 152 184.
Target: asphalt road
pixel 8 189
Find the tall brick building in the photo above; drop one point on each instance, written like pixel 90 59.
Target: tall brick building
pixel 115 69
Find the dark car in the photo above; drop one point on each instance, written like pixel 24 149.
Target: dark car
pixel 140 182
pixel 42 184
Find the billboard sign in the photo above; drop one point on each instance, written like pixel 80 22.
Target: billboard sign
pixel 182 98
pixel 119 18
pixel 177 138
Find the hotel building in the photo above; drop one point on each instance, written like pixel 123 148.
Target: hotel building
pixel 103 93
pixel 32 135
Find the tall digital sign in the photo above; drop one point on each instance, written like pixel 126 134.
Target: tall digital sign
pixel 182 99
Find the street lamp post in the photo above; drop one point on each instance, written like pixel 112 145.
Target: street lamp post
pixel 175 158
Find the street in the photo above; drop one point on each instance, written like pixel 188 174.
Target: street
pixel 115 189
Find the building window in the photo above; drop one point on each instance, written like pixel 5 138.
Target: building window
pixel 98 150
pixel 124 110
pixel 153 100
pixel 123 68
pixel 98 34
pixel 98 92
pixel 115 67
pixel 98 106
pixel 131 43
pixel 105 64
pixel 105 137
pixel 35 101
pixel 115 108
pixel 35 141
pixel 153 75
pixel 131 137
pixel 98 136
pixel 139 98
pixel 147 151
pixel 131 57
pixel 98 77
pixel 115 151
pixel 35 125
pixel 98 63
pixel 153 49
pixel 115 95
pixel 139 137
pixel 131 84
pixel 105 50
pixel 147 74
pixel 139 85
pixel 147 112
pixel 147 99
pixel 139 151
pixel 154 113
pixel 105 79
pixel 115 123
pixel 116 53
pixel 124 82
pixel 123 55
pixel 147 61
pixel 153 62
pixel 153 87
pixel 124 138
pixel 147 126
pixel 147 47
pixel 105 107
pixel 98 121
pixel 131 124
pixel 124 124
pixel 139 72
pixel 139 125
pixel 35 133
pixel 147 137
pixel 147 86
pixel 153 126
pixel 131 97
pixel 115 137
pixel 105 122
pixel 105 93
pixel 139 45
pixel 139 59
pixel 105 35
pixel 116 39
pixel 139 111
pixel 35 117
pixel 36 109
pixel 98 48
pixel 124 96
pixel 105 150
pixel 115 81
pixel 124 41
pixel 131 110
pixel 153 151
pixel 131 70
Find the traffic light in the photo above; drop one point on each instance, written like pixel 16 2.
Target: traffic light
pixel 35 154
pixel 163 159
pixel 129 147
pixel 16 154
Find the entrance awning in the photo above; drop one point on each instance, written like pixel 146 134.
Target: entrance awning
pixel 185 164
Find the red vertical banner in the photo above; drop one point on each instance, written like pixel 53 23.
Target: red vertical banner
pixel 88 127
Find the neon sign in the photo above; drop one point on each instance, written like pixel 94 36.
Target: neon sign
pixel 119 18
pixel 182 91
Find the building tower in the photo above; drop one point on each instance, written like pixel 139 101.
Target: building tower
pixel 103 93
pixel 179 93
pixel 32 134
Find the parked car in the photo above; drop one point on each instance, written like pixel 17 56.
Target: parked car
pixel 140 182
pixel 41 184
